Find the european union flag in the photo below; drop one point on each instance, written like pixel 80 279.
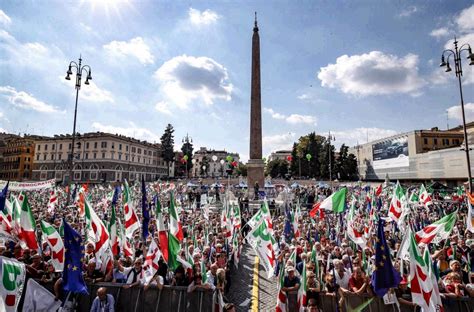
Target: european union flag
pixel 287 228
pixel 115 196
pixel 3 196
pixel 384 276
pixel 145 212
pixel 74 250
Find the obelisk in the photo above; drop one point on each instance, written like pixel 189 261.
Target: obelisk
pixel 255 164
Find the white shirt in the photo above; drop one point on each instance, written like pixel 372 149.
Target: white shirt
pixel 140 275
pixel 344 280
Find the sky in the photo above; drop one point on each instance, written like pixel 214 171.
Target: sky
pixel 362 70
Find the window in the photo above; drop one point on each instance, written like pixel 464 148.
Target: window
pixel 120 147
pixel 39 148
pixel 52 147
pixel 113 145
pixel 139 151
pixel 126 157
pixel 87 155
pixel 46 147
pixel 38 157
pixel 28 150
pixel 435 141
pixel 44 157
pixel 52 156
pixel 133 149
pixel 103 155
pixel 425 140
pixel 103 144
pixel 61 146
pixel 87 145
pixel 456 141
pixel 133 158
pixel 59 156
pixel 126 148
pixel 95 155
pixel 69 147
pixel 120 156
pixel 95 144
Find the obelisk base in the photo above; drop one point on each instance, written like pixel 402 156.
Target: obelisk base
pixel 255 173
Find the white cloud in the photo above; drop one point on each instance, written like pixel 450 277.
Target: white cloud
pixel 300 119
pixel 278 142
pixel 455 112
pixel 465 20
pixel 131 131
pixel 187 78
pixel 204 18
pixel 439 33
pixel 90 92
pixel 273 113
pixel 408 11
pixel 304 97
pixel 163 108
pixel 373 73
pixel 25 100
pixel 135 47
pixel 291 119
pixel 4 18
pixel 352 137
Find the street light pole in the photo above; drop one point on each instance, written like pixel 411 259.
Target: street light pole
pixel 330 156
pixel 456 54
pixel 79 70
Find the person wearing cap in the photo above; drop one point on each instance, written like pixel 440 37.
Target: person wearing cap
pixel 92 275
pixel 455 266
pixel 291 281
pixel 313 287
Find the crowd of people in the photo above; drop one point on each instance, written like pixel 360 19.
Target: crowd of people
pixel 315 247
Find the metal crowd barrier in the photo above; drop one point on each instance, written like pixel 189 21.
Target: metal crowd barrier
pixel 327 302
pixel 136 299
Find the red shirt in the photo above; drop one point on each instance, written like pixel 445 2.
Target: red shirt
pixel 355 282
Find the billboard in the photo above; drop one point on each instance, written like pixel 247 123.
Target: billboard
pixel 390 153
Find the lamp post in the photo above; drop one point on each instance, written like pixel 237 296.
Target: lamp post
pixel 456 54
pixel 330 138
pixel 222 167
pixel 214 160
pixel 80 69
pixel 187 141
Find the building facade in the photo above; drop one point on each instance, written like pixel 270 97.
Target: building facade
pixel 279 155
pixel 98 157
pixel 419 155
pixel 205 166
pixel 17 158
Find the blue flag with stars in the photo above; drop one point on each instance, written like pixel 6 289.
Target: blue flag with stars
pixel 145 211
pixel 3 196
pixel 72 274
pixel 385 276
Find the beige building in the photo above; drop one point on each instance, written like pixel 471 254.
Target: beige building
pixel 413 156
pixel 204 158
pixel 99 157
pixel 17 157
pixel 280 155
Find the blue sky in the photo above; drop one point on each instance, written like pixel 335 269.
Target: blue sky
pixel 355 68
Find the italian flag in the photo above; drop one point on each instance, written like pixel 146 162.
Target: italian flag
pixel 282 298
pixel 302 290
pixel 163 236
pixel 335 203
pixel 203 271
pixel 173 250
pixel 125 247
pixel 152 257
pixel 53 239
pixel 175 225
pixel 113 231
pixel 437 231
pixel 6 219
pixel 420 280
pixel 131 219
pixel 13 275
pixel 295 218
pixel 470 213
pixel 355 235
pixel 398 198
pixel 97 233
pixel 53 201
pixel 425 197
pixel 27 224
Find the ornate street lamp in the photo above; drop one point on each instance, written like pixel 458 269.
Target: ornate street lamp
pixel 456 54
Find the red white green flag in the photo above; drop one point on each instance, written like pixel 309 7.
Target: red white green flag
pixel 302 290
pixel 421 282
pixel 398 199
pixel 470 213
pixel 425 197
pixel 97 233
pixel 53 201
pixel 295 218
pixel 282 298
pixel 162 233
pixel 437 231
pixel 261 241
pixel 175 225
pixel 131 220
pixel 126 248
pixel 151 261
pixel 114 232
pixel 27 224
pixel 53 239
pixel 6 219
pixel 13 275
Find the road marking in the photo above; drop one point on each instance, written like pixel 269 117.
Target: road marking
pixel 245 303
pixel 255 286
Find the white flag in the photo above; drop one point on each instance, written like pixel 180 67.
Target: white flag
pixel 13 282
pixel 39 299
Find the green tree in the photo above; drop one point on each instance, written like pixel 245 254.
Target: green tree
pixel 294 161
pixel 204 163
pixel 277 168
pixel 242 169
pixel 167 145
pixel 187 149
pixel 326 157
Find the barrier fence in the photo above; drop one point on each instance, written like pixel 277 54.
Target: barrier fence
pixel 136 299
pixel 350 301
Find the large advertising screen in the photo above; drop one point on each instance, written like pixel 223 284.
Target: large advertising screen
pixel 390 153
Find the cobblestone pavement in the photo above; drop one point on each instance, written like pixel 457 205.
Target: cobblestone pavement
pixel 240 292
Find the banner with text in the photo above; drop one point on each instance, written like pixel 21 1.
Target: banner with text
pixel 28 186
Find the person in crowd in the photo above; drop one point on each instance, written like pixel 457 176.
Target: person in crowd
pixel 134 275
pixel 291 281
pixel 104 302
pixel 92 274
pixel 359 283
